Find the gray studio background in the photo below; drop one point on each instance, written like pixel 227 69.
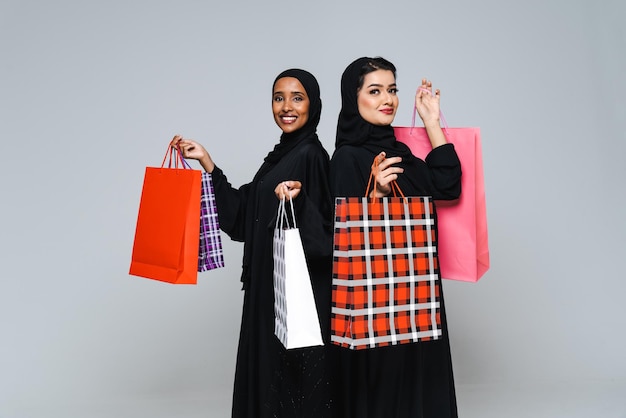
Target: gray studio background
pixel 91 93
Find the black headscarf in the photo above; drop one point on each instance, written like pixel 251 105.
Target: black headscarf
pixel 352 129
pixel 308 132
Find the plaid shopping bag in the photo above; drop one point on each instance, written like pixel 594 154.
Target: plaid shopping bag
pixel 210 253
pixel 385 272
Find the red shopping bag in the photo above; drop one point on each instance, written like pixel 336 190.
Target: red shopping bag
pixel 463 238
pixel 386 287
pixel 168 224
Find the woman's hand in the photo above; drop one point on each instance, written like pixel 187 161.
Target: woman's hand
pixel 193 150
pixel 288 189
pixel 427 105
pixel 384 173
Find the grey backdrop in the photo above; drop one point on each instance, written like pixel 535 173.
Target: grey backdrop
pixel 91 93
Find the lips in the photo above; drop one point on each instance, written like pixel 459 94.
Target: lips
pixel 288 119
pixel 387 111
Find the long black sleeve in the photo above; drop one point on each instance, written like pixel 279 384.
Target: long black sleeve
pixel 439 176
pixel 231 204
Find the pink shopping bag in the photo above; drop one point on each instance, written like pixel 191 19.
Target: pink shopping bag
pixel 463 239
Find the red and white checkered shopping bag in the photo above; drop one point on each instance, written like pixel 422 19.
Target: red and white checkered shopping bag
pixel 386 286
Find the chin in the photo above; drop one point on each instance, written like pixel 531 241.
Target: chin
pixel 385 122
pixel 289 129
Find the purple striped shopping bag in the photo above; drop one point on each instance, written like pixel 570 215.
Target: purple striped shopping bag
pixel 210 253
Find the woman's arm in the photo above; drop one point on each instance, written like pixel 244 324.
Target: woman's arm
pixel 427 105
pixel 231 202
pixel 195 151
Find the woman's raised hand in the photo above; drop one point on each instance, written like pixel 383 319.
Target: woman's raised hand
pixel 427 103
pixel 195 151
pixel 384 173
pixel 288 189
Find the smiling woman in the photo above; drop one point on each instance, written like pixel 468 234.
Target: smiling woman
pixel 269 380
pixel 290 104
pixel 377 99
pixel 413 379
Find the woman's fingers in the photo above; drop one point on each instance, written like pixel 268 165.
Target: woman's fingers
pixel 388 175
pixel 293 193
pixel 279 191
pixel 385 171
pixel 389 162
pixel 377 161
pixel 175 140
pixel 288 189
pixel 293 184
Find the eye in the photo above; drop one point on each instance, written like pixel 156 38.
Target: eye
pixel 374 92
pixel 278 98
pixel 297 99
pixel 393 91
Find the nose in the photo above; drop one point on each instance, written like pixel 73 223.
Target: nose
pixel 286 106
pixel 388 98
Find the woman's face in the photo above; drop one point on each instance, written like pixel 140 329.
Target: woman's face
pixel 290 104
pixel 377 99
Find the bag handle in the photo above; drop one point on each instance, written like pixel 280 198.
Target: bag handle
pixel 282 215
pixel 178 157
pixel 395 189
pixel 441 117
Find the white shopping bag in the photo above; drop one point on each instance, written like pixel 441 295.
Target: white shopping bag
pixel 296 321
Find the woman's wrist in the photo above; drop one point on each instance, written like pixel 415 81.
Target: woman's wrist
pixel 436 136
pixel 432 124
pixel 207 164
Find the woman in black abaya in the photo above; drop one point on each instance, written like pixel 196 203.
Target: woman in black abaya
pixel 408 380
pixel 269 380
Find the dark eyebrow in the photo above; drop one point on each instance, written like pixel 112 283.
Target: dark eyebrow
pixel 380 85
pixel 293 92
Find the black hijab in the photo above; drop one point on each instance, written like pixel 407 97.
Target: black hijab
pixel 352 129
pixel 308 133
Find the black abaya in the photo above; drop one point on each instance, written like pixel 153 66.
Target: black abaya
pixel 408 380
pixel 269 380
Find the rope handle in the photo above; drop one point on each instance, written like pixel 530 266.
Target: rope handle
pixel 282 214
pixel 177 158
